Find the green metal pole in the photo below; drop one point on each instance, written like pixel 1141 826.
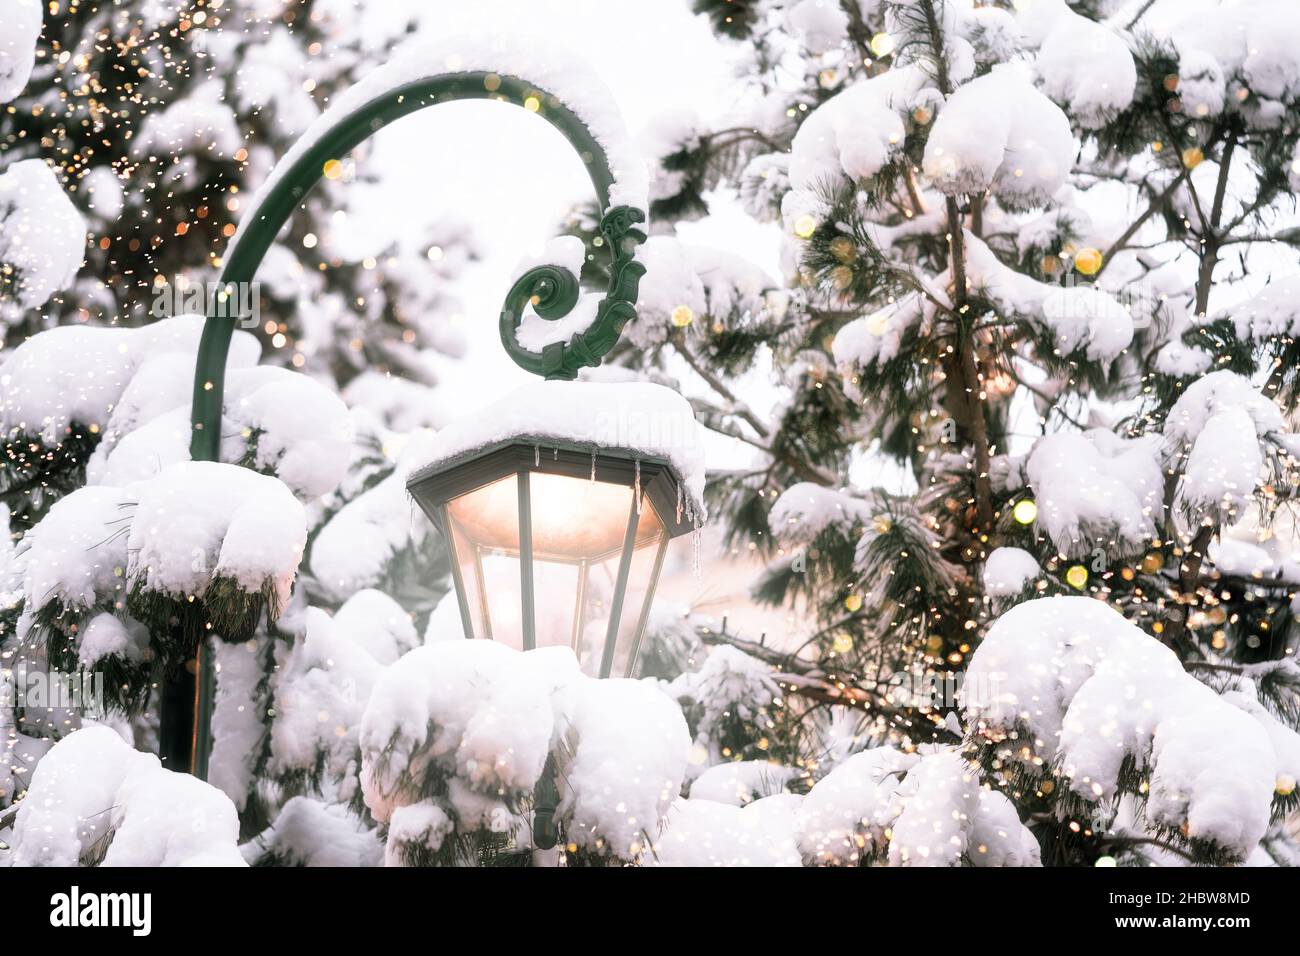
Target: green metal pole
pixel 551 290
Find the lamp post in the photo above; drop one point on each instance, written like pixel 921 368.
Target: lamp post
pixel 501 510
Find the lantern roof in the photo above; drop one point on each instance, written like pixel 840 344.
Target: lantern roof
pixel 630 420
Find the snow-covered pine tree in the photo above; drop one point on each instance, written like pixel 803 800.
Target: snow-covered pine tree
pixel 105 405
pixel 158 120
pixel 1039 274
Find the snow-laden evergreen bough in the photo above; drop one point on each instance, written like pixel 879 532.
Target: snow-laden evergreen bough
pixel 1035 338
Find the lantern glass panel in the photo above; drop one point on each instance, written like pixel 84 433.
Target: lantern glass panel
pixel 484 536
pixel 643 572
pixel 578 530
pixel 556 550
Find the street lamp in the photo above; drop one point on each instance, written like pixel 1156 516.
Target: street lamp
pixel 555 545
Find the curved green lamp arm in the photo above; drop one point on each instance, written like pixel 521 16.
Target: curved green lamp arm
pixel 552 290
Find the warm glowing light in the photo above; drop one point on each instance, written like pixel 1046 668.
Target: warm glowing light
pixel 333 169
pixel 1088 261
pixel 1025 511
pixel 805 226
pixel 682 316
pixel 1077 577
pixel 842 644
pixel 1192 157
pixel 882 44
pixel 853 603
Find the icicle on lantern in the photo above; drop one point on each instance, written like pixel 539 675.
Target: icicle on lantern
pixel 557 522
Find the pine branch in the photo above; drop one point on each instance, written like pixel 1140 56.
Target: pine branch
pixel 1156 204
pixel 811 681
pixel 1189 580
pixel 1211 240
pixel 802 468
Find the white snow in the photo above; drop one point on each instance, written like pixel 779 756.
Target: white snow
pixel 1085 317
pixel 77 553
pixel 1078 317
pixel 445 622
pixel 1223 466
pixel 1214 393
pixel 689 286
pixel 805 510
pixel 106 635
pixel 20 27
pixel 420 824
pixel 479 709
pixel 320 693
pixel 280 421
pixel 878 337
pixel 852 135
pixel 1008 570
pixel 1274 310
pixel 42 235
pixel 738 782
pixel 997 837
pixel 702 833
pixel 940 796
pixel 997 132
pixel 729 683
pixel 846 815
pixel 1097 490
pixel 200 520
pixel 397 402
pixel 354 548
pixel 1248 559
pixel 1202 86
pixel 621 763
pixel 237 719
pixel 668 133
pixel 1082 64
pixel 92 791
pixel 78 373
pixel 378 624
pixel 638 417
pixel 486 717
pixel 1251 44
pixel 201 122
pixel 310 832
pixel 822 25
pixel 1089 688
pixel 1220 421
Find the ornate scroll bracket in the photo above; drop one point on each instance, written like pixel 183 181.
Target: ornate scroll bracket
pixel 553 292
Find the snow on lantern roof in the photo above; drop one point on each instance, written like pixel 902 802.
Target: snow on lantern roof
pixel 553 69
pixel 638 417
